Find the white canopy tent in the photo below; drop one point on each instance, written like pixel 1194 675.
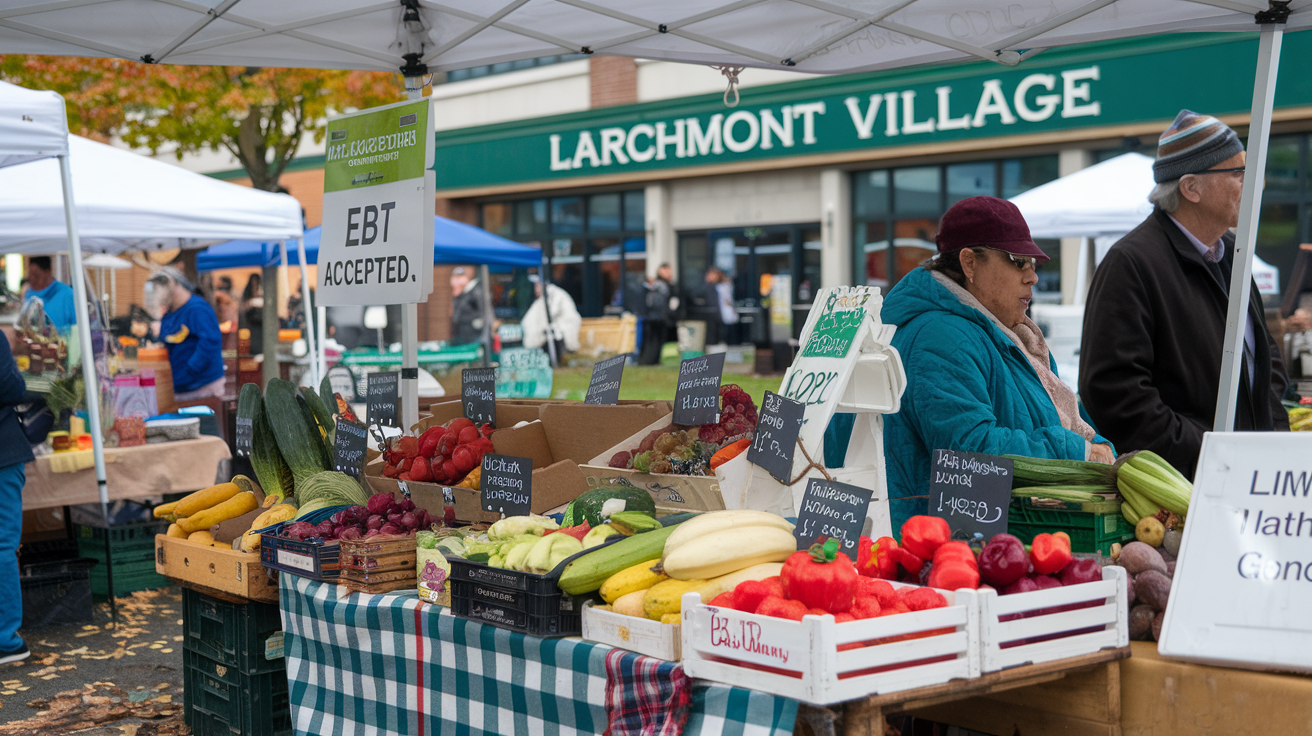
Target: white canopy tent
pixel 817 36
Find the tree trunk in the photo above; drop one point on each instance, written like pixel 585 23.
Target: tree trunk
pixel 252 151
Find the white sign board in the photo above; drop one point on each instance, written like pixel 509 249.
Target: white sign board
pixel 1243 583
pixel 377 244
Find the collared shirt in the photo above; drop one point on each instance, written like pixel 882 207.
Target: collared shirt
pixel 1214 254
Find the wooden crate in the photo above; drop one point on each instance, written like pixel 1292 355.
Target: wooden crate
pixel 822 662
pixel 210 569
pixel 641 635
pixel 1053 624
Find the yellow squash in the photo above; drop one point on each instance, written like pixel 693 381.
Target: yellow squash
pixel 250 541
pixel 165 509
pixel 241 503
pixel 672 618
pixel 628 580
pixel 203 537
pixel 666 597
pixel 175 532
pixel 208 498
pixel 630 604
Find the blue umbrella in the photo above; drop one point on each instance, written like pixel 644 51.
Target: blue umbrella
pixel 453 243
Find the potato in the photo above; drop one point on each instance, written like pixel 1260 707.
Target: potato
pixel 1150 531
pixel 1153 588
pixel 1170 569
pixel 1137 557
pixel 1171 541
pixel 1141 622
pixel 1130 597
pixel 1157 625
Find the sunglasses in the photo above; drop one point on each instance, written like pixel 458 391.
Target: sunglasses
pixel 1020 262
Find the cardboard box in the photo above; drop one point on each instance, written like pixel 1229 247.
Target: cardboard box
pixel 509 411
pixel 215 568
pixel 672 493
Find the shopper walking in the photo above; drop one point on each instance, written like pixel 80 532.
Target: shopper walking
pixel 713 314
pixel 658 322
pixel 1155 318
pixel 190 331
pixel 467 315
pixel 14 453
pixel 562 325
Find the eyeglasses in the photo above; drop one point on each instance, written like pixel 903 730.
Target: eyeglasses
pixel 1235 170
pixel 1020 262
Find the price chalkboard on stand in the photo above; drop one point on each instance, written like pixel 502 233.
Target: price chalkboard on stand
pixel 478 395
pixel 245 434
pixel 832 510
pixel 349 443
pixel 604 388
pixel 507 484
pixel 971 491
pixel 382 398
pixel 777 428
pixel 697 394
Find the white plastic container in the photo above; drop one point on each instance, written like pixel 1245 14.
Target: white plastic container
pixel 641 635
pixel 1007 640
pixel 822 662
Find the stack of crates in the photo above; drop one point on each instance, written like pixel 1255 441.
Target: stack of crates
pixel 132 549
pixel 235 677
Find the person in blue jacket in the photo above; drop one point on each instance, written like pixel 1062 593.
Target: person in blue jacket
pixel 190 331
pixel 56 296
pixel 979 374
pixel 14 453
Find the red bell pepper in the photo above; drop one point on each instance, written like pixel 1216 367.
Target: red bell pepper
pixel 578 531
pixel 877 559
pixel 419 469
pixel 821 577
pixel 428 441
pixel 923 535
pixel 922 599
pixel 782 608
pixel 724 600
pixel 1050 552
pixel 749 594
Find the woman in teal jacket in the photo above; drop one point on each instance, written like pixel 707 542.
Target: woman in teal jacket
pixel 979 375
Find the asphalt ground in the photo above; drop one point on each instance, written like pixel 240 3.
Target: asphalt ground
pixel 101 678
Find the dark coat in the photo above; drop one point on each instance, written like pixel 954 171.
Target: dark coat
pixel 14 447
pixel 1150 358
pixel 467 315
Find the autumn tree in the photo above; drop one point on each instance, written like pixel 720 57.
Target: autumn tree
pixel 259 115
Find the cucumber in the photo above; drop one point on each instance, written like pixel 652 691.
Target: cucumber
pixel 298 440
pixel 586 574
pixel 322 416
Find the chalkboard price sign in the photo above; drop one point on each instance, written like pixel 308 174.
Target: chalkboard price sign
pixel 478 394
pixel 245 434
pixel 697 394
pixel 349 442
pixel 777 428
pixel 832 510
pixel 507 484
pixel 971 491
pixel 604 388
pixel 383 399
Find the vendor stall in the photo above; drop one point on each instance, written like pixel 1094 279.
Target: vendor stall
pixel 133 473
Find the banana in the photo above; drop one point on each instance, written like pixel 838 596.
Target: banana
pixel 714 521
pixel 729 550
pixel 629 580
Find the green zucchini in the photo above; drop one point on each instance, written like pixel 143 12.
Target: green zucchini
pixel 298 441
pixel 327 396
pixel 1037 471
pixel 274 477
pixel 586 574
pixel 322 416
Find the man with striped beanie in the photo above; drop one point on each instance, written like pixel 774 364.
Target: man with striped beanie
pixel 1154 321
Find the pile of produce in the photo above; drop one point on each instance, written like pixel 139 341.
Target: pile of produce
pixel 696 450
pixel 1150 563
pixel 1151 486
pixel 194 516
pixel 449 455
pixel 537 544
pixel 1300 418
pixel 381 514
pixel 292 431
pixel 1071 481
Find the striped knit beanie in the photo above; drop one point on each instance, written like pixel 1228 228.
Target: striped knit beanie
pixel 1192 144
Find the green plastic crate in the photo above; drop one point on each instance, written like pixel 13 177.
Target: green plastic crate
pixel 219 700
pixel 1092 530
pixel 247 636
pixel 136 534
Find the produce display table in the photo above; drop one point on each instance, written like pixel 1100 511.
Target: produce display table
pixel 391 664
pixel 131 473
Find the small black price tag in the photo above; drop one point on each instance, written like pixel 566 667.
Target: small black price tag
pixel 507 484
pixel 777 427
pixel 971 491
pixel 832 510
pixel 245 434
pixel 384 391
pixel 349 443
pixel 604 388
pixel 697 394
pixel 478 395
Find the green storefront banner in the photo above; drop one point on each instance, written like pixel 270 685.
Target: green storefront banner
pixel 1097 85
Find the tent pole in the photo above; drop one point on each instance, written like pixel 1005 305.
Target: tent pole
pixel 1241 274
pixel 321 323
pixel 269 330
pixel 486 276
pixel 90 385
pixel 414 89
pixel 309 314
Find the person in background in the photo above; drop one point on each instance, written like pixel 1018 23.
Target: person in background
pixel 979 374
pixel 14 453
pixel 226 309
pixel 467 314
pixel 1155 318
pixel 56 296
pixel 190 331
pixel 252 312
pixel 563 324
pixel 728 311
pixel 713 315
pixel 658 322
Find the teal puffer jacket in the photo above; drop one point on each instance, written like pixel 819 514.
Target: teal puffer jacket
pixel 969 388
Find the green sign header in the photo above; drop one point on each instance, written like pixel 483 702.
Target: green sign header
pixel 379 146
pixel 1106 84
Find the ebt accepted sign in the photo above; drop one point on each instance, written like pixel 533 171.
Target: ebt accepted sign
pixel 377 212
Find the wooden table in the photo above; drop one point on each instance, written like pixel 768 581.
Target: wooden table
pixel 1091 679
pixel 130 473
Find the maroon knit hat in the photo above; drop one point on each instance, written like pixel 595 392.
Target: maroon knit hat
pixel 989 222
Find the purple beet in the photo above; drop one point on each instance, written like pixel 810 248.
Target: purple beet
pixel 1022 585
pixel 1081 571
pixel 391 528
pixel 1045 581
pixel 350 532
pixel 409 521
pixel 375 522
pixel 407 505
pixel 325 529
pixel 371 533
pixel 1003 561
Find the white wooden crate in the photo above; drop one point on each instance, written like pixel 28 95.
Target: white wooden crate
pixel 803 659
pixel 641 635
pixel 1008 640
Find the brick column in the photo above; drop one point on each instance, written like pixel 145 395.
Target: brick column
pixel 613 80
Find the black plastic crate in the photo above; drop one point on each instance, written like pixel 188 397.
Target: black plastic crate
pixel 223 701
pixel 48 551
pixel 56 592
pixel 247 636
pixel 314 560
pixel 561 624
pixel 519 600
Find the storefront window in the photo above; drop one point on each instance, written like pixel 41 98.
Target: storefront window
pixel 1286 216
pixel 567 215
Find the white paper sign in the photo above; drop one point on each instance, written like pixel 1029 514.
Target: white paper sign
pixel 1243 583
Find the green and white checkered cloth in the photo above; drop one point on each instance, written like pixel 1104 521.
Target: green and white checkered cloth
pixel 354 669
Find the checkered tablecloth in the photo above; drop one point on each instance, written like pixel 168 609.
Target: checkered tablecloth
pixel 388 664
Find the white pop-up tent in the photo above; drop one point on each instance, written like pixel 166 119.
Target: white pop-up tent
pixel 817 36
